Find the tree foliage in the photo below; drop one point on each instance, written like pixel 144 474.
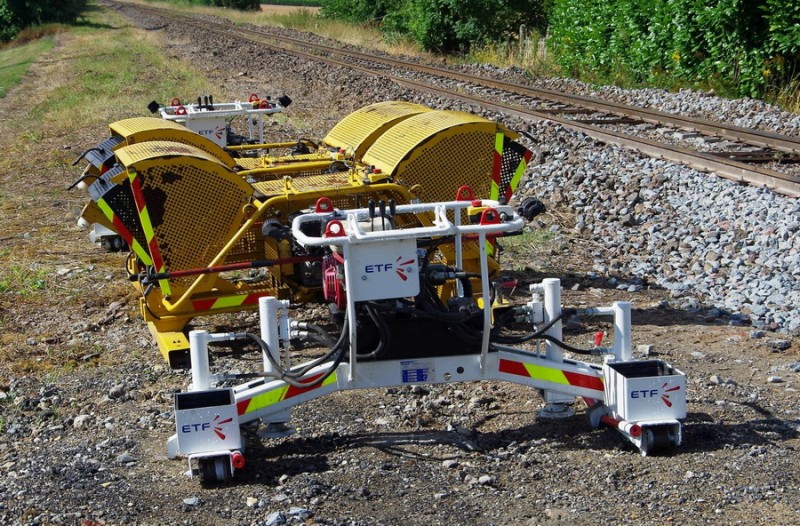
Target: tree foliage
pixel 443 25
pixel 18 14
pixel 243 5
pixel 752 45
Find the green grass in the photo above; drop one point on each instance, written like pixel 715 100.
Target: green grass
pixel 108 70
pixel 301 19
pixel 527 242
pixel 15 61
pixel 530 55
pixel 24 281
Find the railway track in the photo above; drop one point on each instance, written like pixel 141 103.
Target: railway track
pixel 740 154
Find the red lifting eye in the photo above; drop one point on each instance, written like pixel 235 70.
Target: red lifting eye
pixel 324 204
pixel 334 229
pixel 465 193
pixel 490 217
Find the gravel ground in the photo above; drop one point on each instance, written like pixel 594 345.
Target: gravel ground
pixel 87 447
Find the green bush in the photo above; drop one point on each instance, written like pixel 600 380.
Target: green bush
pixel 444 25
pixel 753 46
pixel 243 5
pixel 359 10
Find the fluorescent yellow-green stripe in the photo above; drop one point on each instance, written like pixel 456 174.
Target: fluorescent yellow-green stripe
pixel 547 374
pixel 135 246
pixel 499 140
pixel 330 379
pixel 518 174
pixel 266 399
pixel 277 395
pixel 149 234
pixel 228 301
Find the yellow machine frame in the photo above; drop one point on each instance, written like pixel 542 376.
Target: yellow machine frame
pixel 195 206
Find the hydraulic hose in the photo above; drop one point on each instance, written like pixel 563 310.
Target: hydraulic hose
pixel 383 333
pixel 291 376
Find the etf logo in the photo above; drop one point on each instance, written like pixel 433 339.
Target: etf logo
pixel 663 392
pixel 205 426
pixel 216 132
pixel 398 267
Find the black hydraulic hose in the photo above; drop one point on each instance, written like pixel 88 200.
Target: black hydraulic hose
pixel 339 347
pixel 80 180
pixel 530 336
pixel 383 333
pixel 565 346
pixel 85 153
pixel 324 337
pixel 310 336
pixel 290 377
pixel 309 141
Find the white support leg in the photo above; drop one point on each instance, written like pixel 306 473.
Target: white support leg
pixel 557 405
pixel 623 347
pixel 268 308
pixel 487 305
pixel 198 353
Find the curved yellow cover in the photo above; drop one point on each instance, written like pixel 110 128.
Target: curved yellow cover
pixel 143 129
pixel 359 130
pixel 439 150
pixel 154 150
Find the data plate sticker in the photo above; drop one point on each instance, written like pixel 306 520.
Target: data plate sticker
pixel 416 371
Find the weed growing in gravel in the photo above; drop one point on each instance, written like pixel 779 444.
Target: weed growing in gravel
pixel 522 247
pixel 530 55
pixel 22 280
pixel 789 97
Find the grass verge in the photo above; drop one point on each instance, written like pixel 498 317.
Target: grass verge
pixel 55 288
pixel 108 71
pixel 15 61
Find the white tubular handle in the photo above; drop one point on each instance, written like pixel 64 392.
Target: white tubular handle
pixel 442 226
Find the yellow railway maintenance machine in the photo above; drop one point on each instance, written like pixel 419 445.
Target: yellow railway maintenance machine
pixel 399 331
pixel 197 215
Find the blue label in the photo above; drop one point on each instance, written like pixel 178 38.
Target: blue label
pixel 415 375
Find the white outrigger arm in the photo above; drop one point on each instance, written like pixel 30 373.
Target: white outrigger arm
pixel 644 400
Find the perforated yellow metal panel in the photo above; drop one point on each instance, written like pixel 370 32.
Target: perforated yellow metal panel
pixel 306 183
pixel 439 150
pixel 359 130
pixel 193 203
pixel 254 163
pixel 144 129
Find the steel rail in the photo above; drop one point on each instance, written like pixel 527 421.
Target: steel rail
pixel 729 169
pixel 746 135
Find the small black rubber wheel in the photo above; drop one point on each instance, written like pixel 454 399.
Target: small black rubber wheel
pixel 213 470
pixel 657 440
